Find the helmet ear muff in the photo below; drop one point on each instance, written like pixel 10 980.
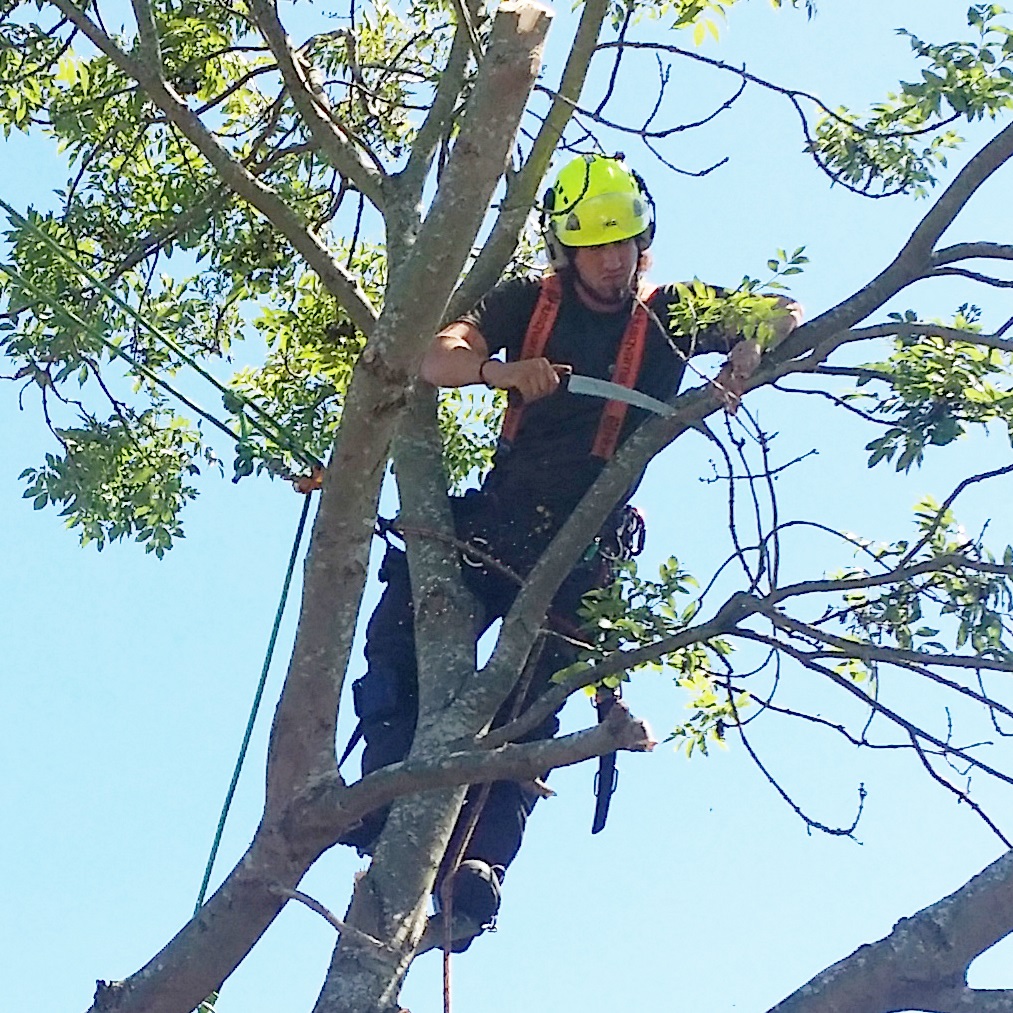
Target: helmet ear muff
pixel 553 247
pixel 545 211
pixel 556 251
pixel 646 238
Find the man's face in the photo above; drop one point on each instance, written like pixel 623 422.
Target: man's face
pixel 606 272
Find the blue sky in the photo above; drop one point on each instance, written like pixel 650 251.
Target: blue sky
pixel 126 681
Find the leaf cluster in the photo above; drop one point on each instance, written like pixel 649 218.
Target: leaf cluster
pixel 938 386
pixel 120 477
pixel 966 605
pixel 470 427
pixel 311 350
pixel 746 310
pixel 715 708
pixel 634 612
pixel 899 145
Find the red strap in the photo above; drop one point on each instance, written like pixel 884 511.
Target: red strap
pixel 535 339
pixel 627 368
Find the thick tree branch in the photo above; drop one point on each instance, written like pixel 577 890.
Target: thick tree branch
pixel 952 200
pixel 523 186
pixel 730 615
pixel 504 84
pixel 507 762
pixel 446 615
pixel 309 98
pixel 732 612
pixel 466 13
pixel 914 259
pixel 922 964
pixel 418 827
pixel 438 117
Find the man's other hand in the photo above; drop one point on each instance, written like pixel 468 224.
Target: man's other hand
pixel 744 357
pixel 735 373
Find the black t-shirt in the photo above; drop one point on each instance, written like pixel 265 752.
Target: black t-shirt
pixel 549 466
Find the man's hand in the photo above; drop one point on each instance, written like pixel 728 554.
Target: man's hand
pixel 744 357
pixel 531 378
pixel 738 368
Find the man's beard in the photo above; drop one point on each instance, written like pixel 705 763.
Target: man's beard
pixel 616 294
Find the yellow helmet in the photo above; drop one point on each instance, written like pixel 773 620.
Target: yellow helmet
pixel 598 199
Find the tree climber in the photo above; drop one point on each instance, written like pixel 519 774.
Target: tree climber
pixel 594 315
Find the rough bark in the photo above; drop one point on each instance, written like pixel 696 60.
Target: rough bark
pixel 922 965
pixel 389 901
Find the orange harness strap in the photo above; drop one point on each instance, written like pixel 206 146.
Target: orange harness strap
pixel 627 368
pixel 535 339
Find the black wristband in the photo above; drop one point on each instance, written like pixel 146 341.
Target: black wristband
pixel 481 373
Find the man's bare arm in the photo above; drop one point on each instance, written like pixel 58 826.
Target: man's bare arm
pixel 459 356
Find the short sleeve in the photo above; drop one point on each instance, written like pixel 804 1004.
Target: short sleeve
pixel 501 316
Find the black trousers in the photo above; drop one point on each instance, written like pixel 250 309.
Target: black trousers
pixel 386 697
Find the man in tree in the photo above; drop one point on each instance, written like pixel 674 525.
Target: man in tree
pixel 592 315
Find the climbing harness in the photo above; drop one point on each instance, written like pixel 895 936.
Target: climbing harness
pixel 627 366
